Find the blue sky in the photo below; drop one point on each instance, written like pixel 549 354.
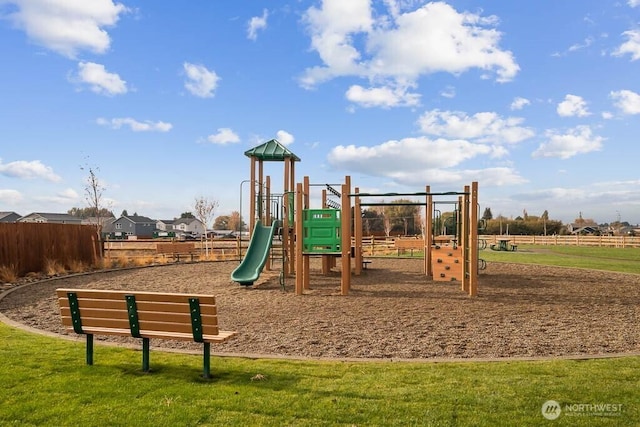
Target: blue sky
pixel 538 101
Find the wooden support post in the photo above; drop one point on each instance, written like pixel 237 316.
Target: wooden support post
pixel 305 259
pixel 464 237
pixel 345 282
pixel 292 236
pixel 473 243
pixel 287 267
pixel 267 219
pixel 298 243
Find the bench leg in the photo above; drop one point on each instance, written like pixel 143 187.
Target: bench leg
pixel 206 360
pixel 145 354
pixel 89 349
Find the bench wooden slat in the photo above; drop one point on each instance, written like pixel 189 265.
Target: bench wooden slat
pixel 140 296
pixel 119 305
pixel 222 336
pixel 153 316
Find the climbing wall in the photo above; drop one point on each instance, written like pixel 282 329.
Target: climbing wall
pixel 446 262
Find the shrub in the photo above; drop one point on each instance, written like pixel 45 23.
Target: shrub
pixel 8 273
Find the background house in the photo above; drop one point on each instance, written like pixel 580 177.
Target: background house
pixel 189 226
pixel 50 218
pixel 9 217
pixel 134 225
pixel 165 224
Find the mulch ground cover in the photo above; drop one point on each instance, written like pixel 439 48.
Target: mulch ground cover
pixel 392 312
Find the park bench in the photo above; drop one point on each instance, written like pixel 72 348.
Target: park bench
pixel 411 244
pixel 143 315
pixel 177 249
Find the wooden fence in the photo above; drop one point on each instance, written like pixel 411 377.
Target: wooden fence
pixel 29 247
pixel 570 240
pixel 381 245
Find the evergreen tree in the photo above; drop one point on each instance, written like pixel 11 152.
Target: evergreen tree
pixel 487 215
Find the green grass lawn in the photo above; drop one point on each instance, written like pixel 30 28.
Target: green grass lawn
pixel 44 381
pixel 626 260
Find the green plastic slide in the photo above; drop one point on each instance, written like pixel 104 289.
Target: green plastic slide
pixel 253 262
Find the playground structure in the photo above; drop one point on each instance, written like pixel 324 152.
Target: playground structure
pixel 330 232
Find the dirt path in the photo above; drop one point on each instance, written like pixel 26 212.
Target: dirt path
pixel 391 312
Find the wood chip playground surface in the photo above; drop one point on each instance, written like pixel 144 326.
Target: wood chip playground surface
pixel 392 311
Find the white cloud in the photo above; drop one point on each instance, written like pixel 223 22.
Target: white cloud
pixel 223 137
pixel 10 197
pixel 28 170
pixel 134 125
pixel 573 106
pixel 579 140
pixel 402 46
pixel 519 103
pixel 448 92
pixel 100 80
pixel 483 127
pixel 585 44
pixel 332 28
pixel 394 158
pixel 68 26
pixel 257 23
pixel 631 46
pixel 284 137
pixel 201 82
pixel 414 161
pixel 64 197
pixel 381 97
pixel 627 101
pixel 634 3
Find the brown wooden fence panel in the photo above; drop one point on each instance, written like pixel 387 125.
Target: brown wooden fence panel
pixel 570 240
pixel 28 247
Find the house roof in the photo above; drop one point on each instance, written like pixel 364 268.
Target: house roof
pixel 9 216
pixel 185 221
pixel 271 150
pixel 57 217
pixel 137 218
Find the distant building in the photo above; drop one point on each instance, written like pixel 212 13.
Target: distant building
pixel 50 218
pixel 191 226
pixel 134 225
pixel 9 217
pixel 165 224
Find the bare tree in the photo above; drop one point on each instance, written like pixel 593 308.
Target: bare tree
pixel 93 195
pixel 204 209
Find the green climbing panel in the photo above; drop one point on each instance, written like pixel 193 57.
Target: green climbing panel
pixel 321 230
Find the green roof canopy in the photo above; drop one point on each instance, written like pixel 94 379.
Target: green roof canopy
pixel 271 150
